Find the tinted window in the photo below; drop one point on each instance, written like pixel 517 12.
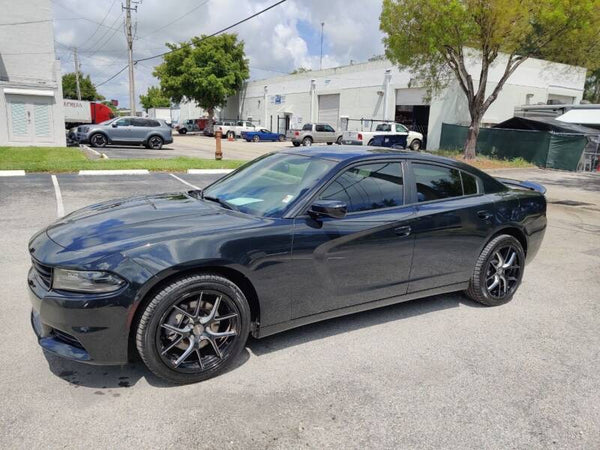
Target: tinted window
pixel 307 127
pixel 383 127
pixel 366 187
pixel 435 182
pixel 123 122
pixel 319 127
pixel 469 183
pixel 401 128
pixel 139 122
pixel 328 128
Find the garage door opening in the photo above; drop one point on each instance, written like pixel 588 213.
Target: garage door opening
pixel 329 109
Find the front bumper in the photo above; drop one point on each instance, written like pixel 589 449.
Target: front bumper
pixel 82 327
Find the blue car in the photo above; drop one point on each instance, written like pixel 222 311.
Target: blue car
pixel 262 135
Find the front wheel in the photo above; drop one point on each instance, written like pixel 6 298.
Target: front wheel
pixel 182 131
pixel 339 140
pixel 230 135
pixel 498 271
pixel 194 328
pixel 256 138
pixel 98 140
pixel 281 138
pixel 415 145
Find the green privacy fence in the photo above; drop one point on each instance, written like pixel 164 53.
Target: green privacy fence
pixel 542 148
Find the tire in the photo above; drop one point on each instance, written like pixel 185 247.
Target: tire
pixel 307 141
pixel 370 142
pixel 339 141
pixel 330 143
pixel 415 145
pixel 155 142
pixel 256 138
pixel 230 134
pixel 480 289
pixel 183 131
pixel 296 144
pixel 281 138
pixel 157 346
pixel 98 140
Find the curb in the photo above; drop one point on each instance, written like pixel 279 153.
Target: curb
pixel 208 171
pixel 115 172
pixel 12 173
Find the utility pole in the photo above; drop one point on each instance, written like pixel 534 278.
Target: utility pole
pixel 321 60
pixel 129 35
pixel 77 73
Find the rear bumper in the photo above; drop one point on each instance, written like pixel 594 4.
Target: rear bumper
pixel 351 142
pixel 91 329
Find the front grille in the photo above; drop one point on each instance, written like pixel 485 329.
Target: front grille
pixel 66 338
pixel 44 273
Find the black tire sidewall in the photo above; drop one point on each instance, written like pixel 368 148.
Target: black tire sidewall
pixel 163 300
pixel 157 147
pixel 94 144
pixel 412 145
pixel 307 142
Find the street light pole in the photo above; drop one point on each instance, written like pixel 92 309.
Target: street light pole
pixel 129 35
pixel 321 60
pixel 76 59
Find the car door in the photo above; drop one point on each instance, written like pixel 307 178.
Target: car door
pixel 139 130
pixel 362 257
pixel 454 217
pixel 121 130
pixel 329 133
pixel 319 134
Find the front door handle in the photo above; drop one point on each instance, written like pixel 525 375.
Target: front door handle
pixel 485 215
pixel 402 231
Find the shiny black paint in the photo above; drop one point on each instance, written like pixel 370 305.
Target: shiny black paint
pixel 301 268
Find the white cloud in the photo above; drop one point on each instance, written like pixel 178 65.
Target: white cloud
pixel 273 42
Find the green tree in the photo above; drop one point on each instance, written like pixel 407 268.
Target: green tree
pixel 206 70
pixel 88 90
pixel 154 98
pixel 592 86
pixel 438 39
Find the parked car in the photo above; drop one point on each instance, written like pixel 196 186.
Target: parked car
pixel 233 128
pixel 414 140
pixel 191 125
pixel 152 133
pixel 262 135
pixel 314 133
pixel 290 238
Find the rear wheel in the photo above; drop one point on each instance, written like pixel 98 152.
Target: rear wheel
pixel 256 138
pixel 155 142
pixel 98 140
pixel 194 328
pixel 281 138
pixel 182 131
pixel 371 142
pixel 339 140
pixel 498 271
pixel 230 135
pixel 307 141
pixel 296 144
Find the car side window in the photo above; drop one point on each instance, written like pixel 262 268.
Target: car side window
pixel 307 127
pixel 401 128
pixel 368 187
pixel 328 128
pixel 123 122
pixel 249 124
pixel 436 182
pixel 139 122
pixel 469 183
pixel 320 128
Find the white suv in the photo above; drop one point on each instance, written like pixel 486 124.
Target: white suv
pixel 229 128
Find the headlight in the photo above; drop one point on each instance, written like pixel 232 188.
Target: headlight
pixel 85 281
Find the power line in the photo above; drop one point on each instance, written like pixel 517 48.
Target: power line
pixel 200 40
pixel 99 25
pixel 24 23
pixel 178 19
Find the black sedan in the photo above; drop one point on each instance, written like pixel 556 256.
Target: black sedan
pixel 290 238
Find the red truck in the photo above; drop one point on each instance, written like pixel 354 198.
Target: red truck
pixel 78 112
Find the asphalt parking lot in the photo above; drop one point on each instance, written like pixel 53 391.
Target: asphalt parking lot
pixel 440 372
pixel 196 146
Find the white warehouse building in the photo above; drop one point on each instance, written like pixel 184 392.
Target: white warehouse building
pixel 31 102
pixel 378 90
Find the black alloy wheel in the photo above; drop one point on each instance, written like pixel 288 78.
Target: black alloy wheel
pixel 98 140
pixel 193 328
pixel 155 142
pixel 498 272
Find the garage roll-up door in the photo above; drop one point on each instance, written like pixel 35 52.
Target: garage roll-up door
pixel 329 109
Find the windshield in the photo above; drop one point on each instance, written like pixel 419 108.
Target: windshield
pixel 270 184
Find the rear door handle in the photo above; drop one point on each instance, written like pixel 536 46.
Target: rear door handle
pixel 402 231
pixel 485 215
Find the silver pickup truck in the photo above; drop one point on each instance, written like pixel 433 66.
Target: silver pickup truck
pixel 314 133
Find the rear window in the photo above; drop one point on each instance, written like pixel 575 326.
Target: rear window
pixel 307 127
pixel 469 183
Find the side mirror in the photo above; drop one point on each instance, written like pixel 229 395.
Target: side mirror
pixel 335 209
pixel 114 124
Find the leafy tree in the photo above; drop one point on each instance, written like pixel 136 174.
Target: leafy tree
pixel 592 87
pixel 299 70
pixel 206 70
pixel 154 98
pixel 438 39
pixel 88 90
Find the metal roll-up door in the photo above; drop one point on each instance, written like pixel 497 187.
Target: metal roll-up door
pixel 329 109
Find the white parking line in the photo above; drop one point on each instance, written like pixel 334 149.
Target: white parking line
pixel 12 173
pixel 208 171
pixel 60 208
pixel 115 172
pixel 185 182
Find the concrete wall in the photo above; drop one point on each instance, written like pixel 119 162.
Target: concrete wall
pixel 364 93
pixel 28 63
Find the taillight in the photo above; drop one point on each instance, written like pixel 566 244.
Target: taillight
pixel 297 133
pixel 359 137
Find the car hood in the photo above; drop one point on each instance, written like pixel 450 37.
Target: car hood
pixel 134 221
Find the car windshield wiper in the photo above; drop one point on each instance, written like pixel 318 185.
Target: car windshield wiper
pixel 221 202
